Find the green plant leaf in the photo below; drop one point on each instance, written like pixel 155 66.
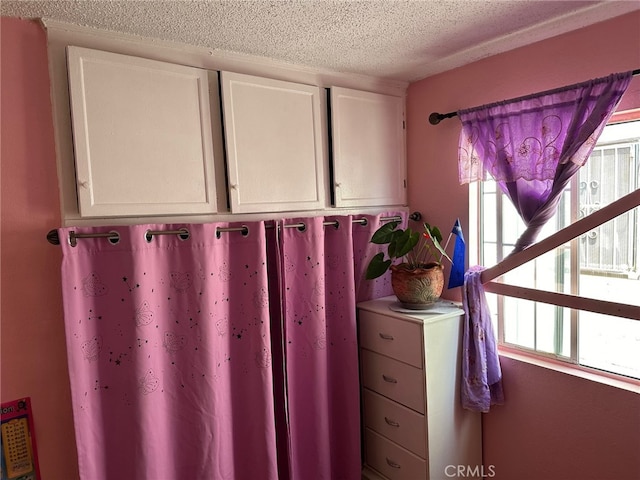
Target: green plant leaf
pixel 385 233
pixel 377 266
pixel 436 237
pixel 433 232
pixel 405 243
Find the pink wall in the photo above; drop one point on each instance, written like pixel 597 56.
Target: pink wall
pixel 554 426
pixel 34 361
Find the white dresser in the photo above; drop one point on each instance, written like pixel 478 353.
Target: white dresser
pixel 414 427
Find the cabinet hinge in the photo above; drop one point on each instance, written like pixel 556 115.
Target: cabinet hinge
pixel 403 126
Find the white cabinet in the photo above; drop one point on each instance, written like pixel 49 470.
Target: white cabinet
pixel 414 426
pixel 148 141
pixel 276 152
pixel 368 148
pixel 143 135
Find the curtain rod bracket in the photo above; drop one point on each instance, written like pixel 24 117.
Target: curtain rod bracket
pixel 52 237
pixel 435 118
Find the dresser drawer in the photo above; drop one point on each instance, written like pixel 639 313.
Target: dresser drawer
pixel 400 424
pixel 390 336
pixel 392 460
pixel 393 379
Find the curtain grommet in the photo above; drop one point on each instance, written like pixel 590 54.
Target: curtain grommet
pixel 72 239
pixel 114 237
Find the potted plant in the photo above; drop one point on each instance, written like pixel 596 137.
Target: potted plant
pixel 418 278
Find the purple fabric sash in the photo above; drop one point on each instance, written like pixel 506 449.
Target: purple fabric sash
pixel 481 374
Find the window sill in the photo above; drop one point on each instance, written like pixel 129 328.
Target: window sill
pixel 605 378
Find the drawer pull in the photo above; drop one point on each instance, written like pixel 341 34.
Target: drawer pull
pixel 389 379
pixel 393 423
pixel 385 336
pixel 392 463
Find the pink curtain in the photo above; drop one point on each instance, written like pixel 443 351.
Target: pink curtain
pixel 321 351
pixel 169 353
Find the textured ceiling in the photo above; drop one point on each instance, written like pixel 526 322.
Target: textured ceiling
pixel 397 39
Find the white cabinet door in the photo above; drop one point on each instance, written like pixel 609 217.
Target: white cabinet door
pixel 368 148
pixel 142 135
pixel 275 147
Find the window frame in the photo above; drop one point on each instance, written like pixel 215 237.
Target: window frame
pixel 575 303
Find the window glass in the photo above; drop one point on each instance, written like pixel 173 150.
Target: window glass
pixel 609 343
pixel 519 322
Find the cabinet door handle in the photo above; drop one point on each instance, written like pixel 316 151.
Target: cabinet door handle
pixel 393 423
pixel 392 463
pixel 385 336
pixel 389 379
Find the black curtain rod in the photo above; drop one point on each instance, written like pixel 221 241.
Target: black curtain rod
pixel 435 118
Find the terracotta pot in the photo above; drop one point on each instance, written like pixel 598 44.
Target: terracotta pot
pixel 419 288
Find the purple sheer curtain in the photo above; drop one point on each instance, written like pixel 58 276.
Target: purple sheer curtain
pixel 531 146
pixel 169 353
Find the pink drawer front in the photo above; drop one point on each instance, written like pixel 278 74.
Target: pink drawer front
pixel 393 379
pixel 392 337
pixel 400 424
pixel 391 460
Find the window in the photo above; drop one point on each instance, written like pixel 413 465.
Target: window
pixel 602 264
